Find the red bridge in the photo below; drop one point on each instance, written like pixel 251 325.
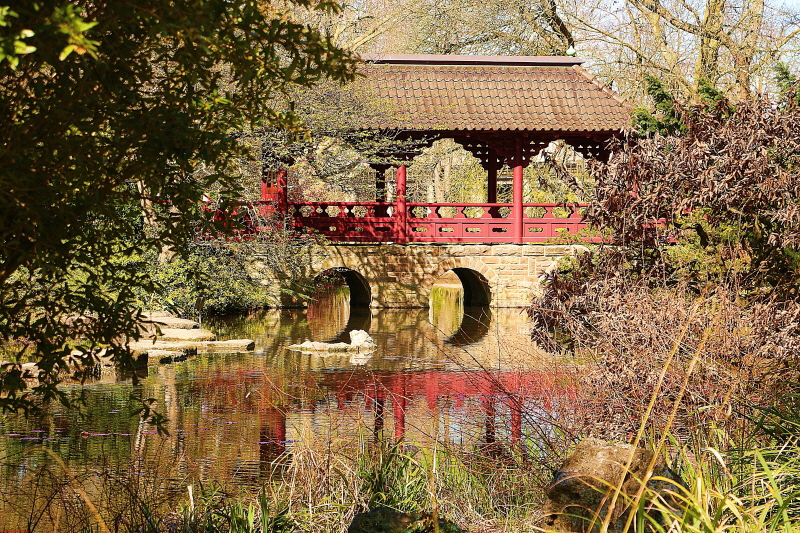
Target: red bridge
pixel 506 111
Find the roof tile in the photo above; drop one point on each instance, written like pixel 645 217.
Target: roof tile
pixel 518 93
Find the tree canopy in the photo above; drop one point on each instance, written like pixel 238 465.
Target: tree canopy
pixel 106 108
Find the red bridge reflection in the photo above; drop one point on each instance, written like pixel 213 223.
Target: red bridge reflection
pixel 382 392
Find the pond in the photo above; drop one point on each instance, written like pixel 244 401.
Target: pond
pixel 465 376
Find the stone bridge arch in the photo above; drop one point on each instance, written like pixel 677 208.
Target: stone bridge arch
pixel 477 278
pixel 360 290
pixel 354 274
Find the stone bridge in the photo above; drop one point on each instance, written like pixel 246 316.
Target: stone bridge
pixel 394 275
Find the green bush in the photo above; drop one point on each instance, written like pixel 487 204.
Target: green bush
pixel 213 278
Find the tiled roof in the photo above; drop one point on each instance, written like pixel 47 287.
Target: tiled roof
pixel 491 93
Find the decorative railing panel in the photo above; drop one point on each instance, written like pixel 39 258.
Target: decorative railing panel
pixel 451 222
pixel 434 222
pixel 542 222
pixel 347 221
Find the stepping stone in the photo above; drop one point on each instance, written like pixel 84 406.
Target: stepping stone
pixel 166 320
pixel 234 345
pixel 165 357
pixel 175 334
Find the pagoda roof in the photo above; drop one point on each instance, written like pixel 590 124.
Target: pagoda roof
pixel 436 93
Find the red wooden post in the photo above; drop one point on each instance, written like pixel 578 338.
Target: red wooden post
pixel 266 190
pixel 272 435
pixel 516 209
pixel 401 212
pixel 267 195
pixel 490 412
pixel 274 191
pixel 432 391
pixel 380 402
pixel 516 419
pixel 280 428
pixel 283 200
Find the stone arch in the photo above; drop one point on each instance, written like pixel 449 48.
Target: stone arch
pixel 476 287
pixel 479 281
pixel 360 290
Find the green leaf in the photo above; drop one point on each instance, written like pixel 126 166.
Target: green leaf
pixel 67 51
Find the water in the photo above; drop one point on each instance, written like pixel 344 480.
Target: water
pixel 470 373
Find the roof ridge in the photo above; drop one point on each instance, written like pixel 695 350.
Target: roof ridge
pixel 433 59
pixel 600 85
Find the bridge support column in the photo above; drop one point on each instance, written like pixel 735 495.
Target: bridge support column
pixel 401 215
pixel 273 189
pixel 516 209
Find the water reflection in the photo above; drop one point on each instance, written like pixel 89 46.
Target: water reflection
pixel 471 379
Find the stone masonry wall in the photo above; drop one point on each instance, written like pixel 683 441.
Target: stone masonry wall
pixel 402 275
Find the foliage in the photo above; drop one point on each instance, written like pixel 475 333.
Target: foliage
pixel 730 46
pixel 114 105
pixel 704 232
pixel 487 27
pixel 215 512
pixel 212 278
pixel 762 498
pixel 665 120
pixel 787 83
pixel 736 169
pixel 332 149
pixel 218 276
pixel 446 172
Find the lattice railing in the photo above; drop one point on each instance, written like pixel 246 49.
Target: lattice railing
pixel 435 222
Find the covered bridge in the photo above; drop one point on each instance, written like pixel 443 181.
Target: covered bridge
pixel 504 110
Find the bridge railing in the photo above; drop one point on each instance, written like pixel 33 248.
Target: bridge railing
pixel 434 222
pixel 347 221
pixel 485 222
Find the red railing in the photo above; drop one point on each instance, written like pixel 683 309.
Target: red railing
pixel 435 222
pixel 347 221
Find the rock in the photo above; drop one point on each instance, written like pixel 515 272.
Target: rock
pixel 179 334
pixel 99 353
pixel 30 367
pixel 385 520
pixel 234 345
pixel 165 357
pixel 84 326
pixel 166 320
pixel 158 314
pixel 360 342
pixel 313 347
pixel 360 338
pixel 80 325
pixel 147 330
pixel 586 477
